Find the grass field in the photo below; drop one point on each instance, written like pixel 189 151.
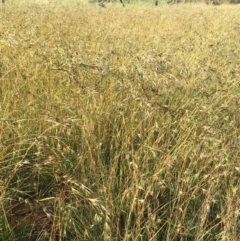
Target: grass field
pixel 119 123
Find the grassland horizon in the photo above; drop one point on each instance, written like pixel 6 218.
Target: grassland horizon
pixel 119 123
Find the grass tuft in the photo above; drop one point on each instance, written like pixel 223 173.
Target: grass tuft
pixel 119 123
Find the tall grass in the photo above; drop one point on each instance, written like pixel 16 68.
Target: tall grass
pixel 120 124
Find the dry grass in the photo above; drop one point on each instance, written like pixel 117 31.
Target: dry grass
pixel 120 123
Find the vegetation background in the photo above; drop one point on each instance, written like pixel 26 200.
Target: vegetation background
pixel 119 123
pixel 138 2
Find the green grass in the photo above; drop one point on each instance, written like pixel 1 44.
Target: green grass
pixel 119 123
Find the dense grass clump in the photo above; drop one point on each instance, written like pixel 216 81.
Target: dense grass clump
pixel 119 123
